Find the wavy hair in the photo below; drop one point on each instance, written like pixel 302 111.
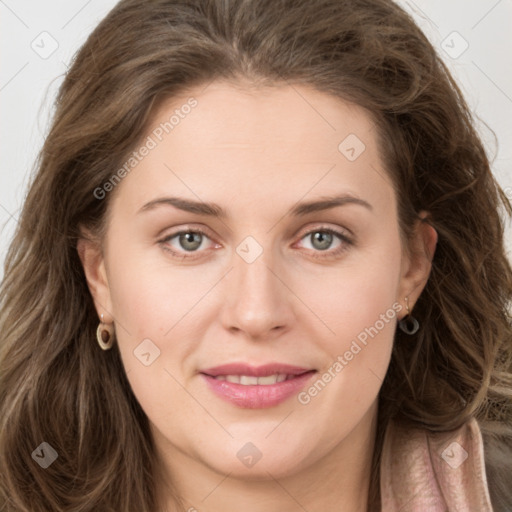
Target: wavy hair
pixel 56 386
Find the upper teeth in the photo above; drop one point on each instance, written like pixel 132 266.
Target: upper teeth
pixel 248 380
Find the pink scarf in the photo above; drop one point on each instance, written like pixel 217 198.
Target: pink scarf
pixel 422 471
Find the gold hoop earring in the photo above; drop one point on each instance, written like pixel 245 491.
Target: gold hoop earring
pixel 105 335
pixel 408 324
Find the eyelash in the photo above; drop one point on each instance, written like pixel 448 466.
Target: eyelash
pixel 327 254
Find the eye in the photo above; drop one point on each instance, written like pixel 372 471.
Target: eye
pixel 188 242
pixel 322 238
pixel 185 241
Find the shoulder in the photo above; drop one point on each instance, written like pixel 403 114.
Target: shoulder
pixel 450 470
pixel 497 441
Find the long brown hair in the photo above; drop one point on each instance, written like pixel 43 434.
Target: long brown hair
pixel 58 387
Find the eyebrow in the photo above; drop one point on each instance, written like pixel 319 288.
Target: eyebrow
pixel 214 210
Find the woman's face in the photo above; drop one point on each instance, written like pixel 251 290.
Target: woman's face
pixel 289 265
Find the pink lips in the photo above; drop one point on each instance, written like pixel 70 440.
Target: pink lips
pixel 256 396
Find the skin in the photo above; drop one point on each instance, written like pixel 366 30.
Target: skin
pixel 256 153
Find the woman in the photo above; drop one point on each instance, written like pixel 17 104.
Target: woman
pixel 261 267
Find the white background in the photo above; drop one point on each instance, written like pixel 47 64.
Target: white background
pixel 28 82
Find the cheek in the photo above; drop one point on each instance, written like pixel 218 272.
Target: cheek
pixel 365 303
pixel 144 309
pixel 358 305
pixel 150 330
pixel 155 309
pixel 145 301
pixel 356 295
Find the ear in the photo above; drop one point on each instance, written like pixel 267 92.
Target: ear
pixel 93 262
pixel 417 261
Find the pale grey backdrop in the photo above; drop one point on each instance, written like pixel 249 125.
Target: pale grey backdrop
pixel 39 38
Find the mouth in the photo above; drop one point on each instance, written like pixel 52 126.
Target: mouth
pixel 260 387
pixel 249 380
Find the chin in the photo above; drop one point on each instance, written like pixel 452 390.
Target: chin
pixel 256 461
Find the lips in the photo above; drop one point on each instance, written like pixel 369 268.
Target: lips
pixel 248 380
pixel 254 371
pixel 253 387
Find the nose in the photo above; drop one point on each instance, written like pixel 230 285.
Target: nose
pixel 257 299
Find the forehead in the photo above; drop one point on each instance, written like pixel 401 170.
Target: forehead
pixel 282 115
pixel 282 142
